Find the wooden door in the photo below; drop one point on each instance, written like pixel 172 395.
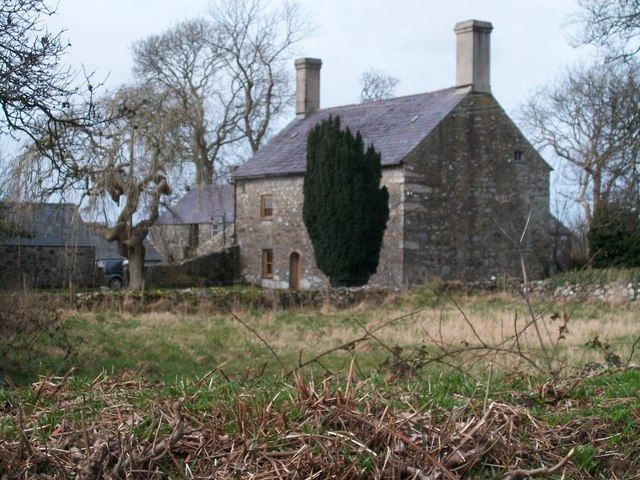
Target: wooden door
pixel 294 271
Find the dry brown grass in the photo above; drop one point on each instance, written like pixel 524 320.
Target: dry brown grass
pixel 460 331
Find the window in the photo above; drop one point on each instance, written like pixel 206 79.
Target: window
pixel 267 263
pixel 266 207
pixel 517 155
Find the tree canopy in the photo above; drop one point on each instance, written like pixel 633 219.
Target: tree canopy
pixel 611 25
pixel 589 119
pixel 345 210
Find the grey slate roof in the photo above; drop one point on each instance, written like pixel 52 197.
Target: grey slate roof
pixel 45 225
pixel 201 204
pixel 395 127
pixel 57 225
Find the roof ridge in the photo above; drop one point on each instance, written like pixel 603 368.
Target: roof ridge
pixel 384 100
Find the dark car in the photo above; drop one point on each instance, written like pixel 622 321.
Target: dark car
pixel 113 272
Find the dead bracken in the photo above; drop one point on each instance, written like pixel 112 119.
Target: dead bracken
pixel 217 428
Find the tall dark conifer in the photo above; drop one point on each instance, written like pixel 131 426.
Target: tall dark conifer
pixel 345 210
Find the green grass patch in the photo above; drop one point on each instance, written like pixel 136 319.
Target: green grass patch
pixel 417 329
pixel 344 423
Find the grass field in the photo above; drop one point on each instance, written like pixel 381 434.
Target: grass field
pixel 425 331
pixel 425 384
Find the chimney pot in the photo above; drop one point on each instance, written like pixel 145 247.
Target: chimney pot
pixel 307 85
pixel 473 56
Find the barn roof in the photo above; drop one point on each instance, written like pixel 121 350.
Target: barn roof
pixel 201 204
pixel 394 127
pixel 44 225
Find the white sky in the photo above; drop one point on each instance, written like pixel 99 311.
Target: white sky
pixel 412 40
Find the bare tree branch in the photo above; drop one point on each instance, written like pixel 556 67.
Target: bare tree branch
pixel 613 25
pixel 377 85
pixel 117 168
pixel 34 84
pixel 589 119
pixel 229 73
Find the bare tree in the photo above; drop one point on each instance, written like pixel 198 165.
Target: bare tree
pixel 227 74
pixel 186 63
pixel 590 120
pixel 377 85
pixel 33 81
pixel 116 170
pixel 258 46
pixel 613 25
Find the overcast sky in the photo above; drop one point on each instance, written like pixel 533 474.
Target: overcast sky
pixel 412 40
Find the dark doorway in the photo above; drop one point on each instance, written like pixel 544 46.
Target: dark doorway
pixel 294 271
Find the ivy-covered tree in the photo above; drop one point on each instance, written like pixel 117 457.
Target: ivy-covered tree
pixel 345 210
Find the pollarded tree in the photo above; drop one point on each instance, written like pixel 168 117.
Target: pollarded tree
pixel 345 210
pixel 117 170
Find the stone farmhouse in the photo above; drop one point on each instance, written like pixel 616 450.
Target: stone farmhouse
pixel 464 183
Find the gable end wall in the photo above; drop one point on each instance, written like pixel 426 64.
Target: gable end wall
pixel 468 197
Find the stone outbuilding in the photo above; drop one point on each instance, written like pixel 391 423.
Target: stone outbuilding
pixel 44 245
pixel 464 183
pixel 200 222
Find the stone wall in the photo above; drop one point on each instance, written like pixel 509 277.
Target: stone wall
pixel 219 268
pixel 614 292
pixel 175 242
pixel 46 267
pixel 285 233
pixel 468 196
pixel 219 300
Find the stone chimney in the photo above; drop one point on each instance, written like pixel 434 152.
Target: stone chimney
pixel 473 56
pixel 307 85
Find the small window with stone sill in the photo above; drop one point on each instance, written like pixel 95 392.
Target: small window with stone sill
pixel 266 207
pixel 518 155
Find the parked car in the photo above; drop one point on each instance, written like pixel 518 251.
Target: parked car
pixel 113 272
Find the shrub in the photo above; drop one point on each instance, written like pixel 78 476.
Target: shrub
pixel 345 210
pixel 614 237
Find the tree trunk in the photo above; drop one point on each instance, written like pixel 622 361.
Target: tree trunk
pixel 136 266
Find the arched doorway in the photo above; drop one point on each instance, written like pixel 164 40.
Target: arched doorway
pixel 294 270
